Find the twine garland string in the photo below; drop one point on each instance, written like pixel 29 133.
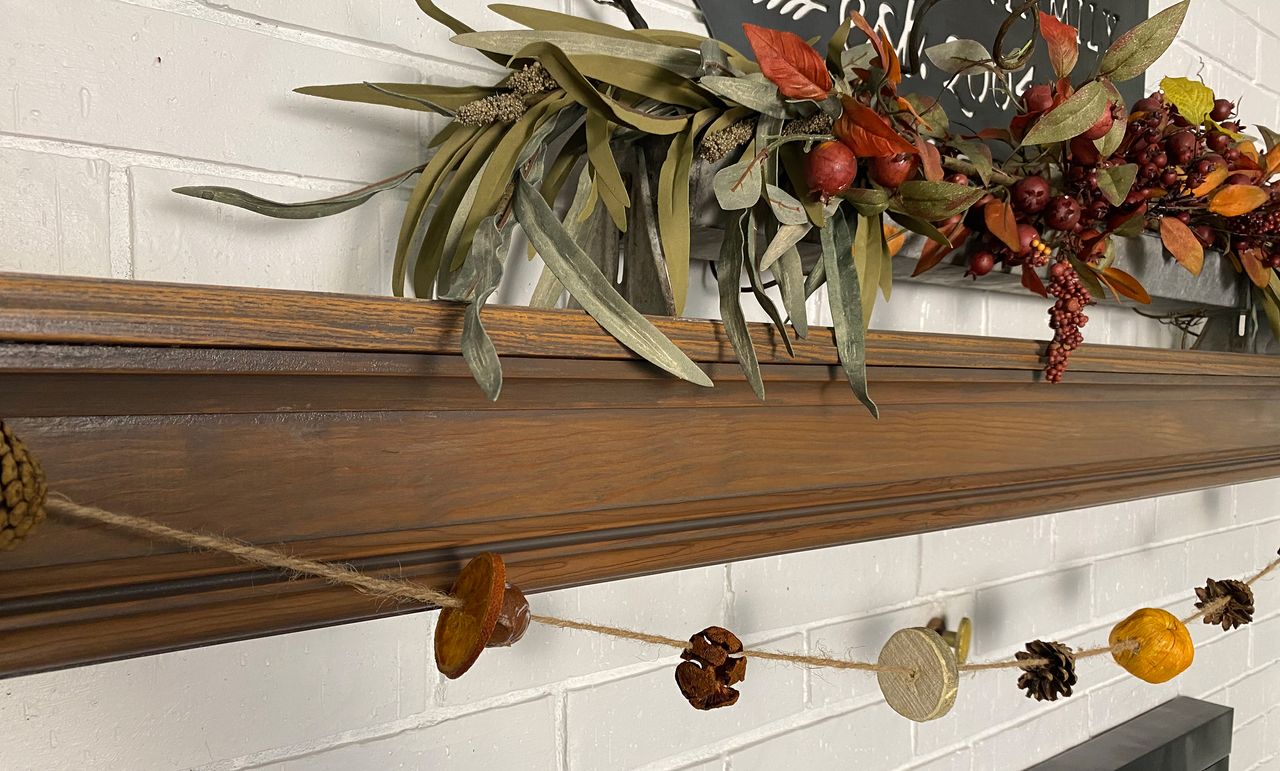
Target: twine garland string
pixel 403 590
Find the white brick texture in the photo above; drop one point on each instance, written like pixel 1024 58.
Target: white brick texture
pixel 108 104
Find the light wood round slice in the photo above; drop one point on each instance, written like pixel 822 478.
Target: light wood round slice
pixel 462 633
pixel 928 690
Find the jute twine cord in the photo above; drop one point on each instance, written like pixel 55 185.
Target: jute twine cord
pixel 402 590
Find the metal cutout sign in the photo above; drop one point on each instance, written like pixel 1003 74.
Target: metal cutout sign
pixel 969 100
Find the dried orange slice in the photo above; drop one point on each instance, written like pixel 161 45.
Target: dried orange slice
pixel 462 633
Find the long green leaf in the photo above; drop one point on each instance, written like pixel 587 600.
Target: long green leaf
pixel 598 297
pixel 460 139
pixel 758 95
pixel 553 21
pixel 613 190
pixel 673 206
pixel 305 210
pixel 681 39
pixel 729 272
pixel 409 96
pixel 789 271
pixel 846 313
pixel 1139 48
pixel 757 284
pixel 1071 118
pixel 511 42
pixel 475 284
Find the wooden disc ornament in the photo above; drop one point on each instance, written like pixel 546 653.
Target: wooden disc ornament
pixel 493 614
pixel 923 683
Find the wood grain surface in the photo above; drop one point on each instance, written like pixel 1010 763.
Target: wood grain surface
pixel 348 428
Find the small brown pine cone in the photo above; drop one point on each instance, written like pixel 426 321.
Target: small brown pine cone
pixel 1047 681
pixel 22 490
pixel 710 667
pixel 1229 603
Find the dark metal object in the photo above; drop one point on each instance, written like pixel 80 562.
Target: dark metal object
pixel 626 6
pixel 968 100
pixel 1181 735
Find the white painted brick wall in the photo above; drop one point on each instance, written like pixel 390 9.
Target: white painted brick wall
pixel 109 103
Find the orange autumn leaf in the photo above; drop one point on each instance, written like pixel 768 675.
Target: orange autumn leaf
pixel 1235 200
pixel 1003 224
pixel 1258 272
pixel 895 238
pixel 1064 47
pixel 1273 161
pixel 867 133
pixel 930 159
pixel 934 252
pixel 892 67
pixel 1249 150
pixel 1125 285
pixel 1182 244
pixel 1212 182
pixel 791 63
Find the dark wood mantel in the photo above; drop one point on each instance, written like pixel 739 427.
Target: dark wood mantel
pixel 348 428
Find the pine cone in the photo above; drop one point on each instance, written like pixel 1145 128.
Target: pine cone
pixel 1230 603
pixel 1045 682
pixel 709 669
pixel 22 490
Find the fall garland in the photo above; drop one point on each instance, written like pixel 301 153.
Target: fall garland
pixel 590 143
pixel 917 670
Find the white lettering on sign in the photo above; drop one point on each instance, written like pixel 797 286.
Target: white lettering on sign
pixel 796 9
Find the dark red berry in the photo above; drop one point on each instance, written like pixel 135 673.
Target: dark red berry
pixel 1099 129
pixel 1203 234
pixel 1219 142
pixel 981 263
pixel 830 169
pixel 958 179
pixel 1222 109
pixel 1063 213
pixel 1027 235
pixel 892 170
pixel 1031 194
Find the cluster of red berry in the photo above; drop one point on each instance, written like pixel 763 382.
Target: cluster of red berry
pixel 1066 317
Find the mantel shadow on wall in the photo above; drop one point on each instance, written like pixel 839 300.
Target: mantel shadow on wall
pixel 349 429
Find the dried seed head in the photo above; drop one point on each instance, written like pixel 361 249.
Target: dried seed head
pixel 532 79
pixel 818 123
pixel 717 145
pixel 499 108
pixel 712 665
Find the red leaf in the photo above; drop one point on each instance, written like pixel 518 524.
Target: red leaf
pixel 868 134
pixel 1003 224
pixel 892 67
pixel 1064 47
pixel 934 252
pixel 931 159
pixel 1031 280
pixel 861 23
pixel 791 63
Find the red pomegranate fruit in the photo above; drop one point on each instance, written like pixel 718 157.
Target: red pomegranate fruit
pixel 830 169
pixel 892 170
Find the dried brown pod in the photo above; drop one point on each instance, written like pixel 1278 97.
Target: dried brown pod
pixel 22 490
pixel 493 614
pixel 1229 603
pixel 1054 673
pixel 711 665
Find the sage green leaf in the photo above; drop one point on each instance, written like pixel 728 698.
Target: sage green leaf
pixel 936 201
pixel 732 254
pixel 597 295
pixel 757 94
pixel 886 259
pixel 1270 137
pixel 846 313
pixel 543 20
pixel 979 154
pixel 431 251
pixel 1111 141
pixel 642 78
pixel 784 241
pixel 917 225
pixel 475 285
pixel 740 186
pixel 547 292
pixel 673 205
pixel 1071 118
pixel 816 279
pixel 869 202
pixel 757 283
pixel 786 208
pixel 960 57
pixel 1139 48
pixel 460 139
pixel 511 42
pixel 857 57
pixel 679 39
pixel 858 246
pixel 937 124
pixel 1116 182
pixel 646 282
pixel 306 210
pixel 613 191
pixel 410 96
pixel 839 42
pixel 789 271
pixel 561 68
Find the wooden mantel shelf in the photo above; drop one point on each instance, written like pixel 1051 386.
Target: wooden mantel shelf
pixel 348 428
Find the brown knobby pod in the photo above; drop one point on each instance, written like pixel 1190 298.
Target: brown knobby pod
pixel 711 666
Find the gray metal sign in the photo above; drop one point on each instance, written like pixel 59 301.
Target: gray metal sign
pixel 970 100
